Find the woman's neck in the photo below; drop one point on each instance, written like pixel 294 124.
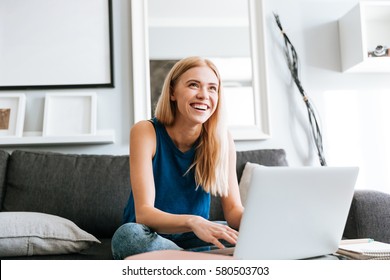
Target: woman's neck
pixel 184 136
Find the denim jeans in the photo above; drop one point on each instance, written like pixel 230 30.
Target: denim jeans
pixel 132 238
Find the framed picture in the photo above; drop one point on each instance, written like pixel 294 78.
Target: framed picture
pixel 56 44
pixel 69 114
pixel 12 109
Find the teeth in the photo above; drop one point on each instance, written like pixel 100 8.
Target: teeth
pixel 200 106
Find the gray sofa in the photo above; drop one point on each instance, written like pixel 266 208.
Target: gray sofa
pixel 90 191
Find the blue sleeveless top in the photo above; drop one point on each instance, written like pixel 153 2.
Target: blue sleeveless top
pixel 176 193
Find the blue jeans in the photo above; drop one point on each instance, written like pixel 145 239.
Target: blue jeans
pixel 132 238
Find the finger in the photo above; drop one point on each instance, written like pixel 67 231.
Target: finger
pixel 226 235
pixel 217 243
pixel 234 236
pixel 229 229
pixel 232 239
pixel 232 232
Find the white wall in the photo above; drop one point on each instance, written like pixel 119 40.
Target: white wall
pixel 209 32
pixel 312 27
pixel 348 102
pixel 114 104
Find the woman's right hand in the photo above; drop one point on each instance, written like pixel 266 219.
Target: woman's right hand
pixel 212 232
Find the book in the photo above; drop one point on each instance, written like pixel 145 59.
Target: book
pixel 364 249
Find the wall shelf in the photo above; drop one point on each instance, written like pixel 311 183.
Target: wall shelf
pixel 362 29
pixel 32 138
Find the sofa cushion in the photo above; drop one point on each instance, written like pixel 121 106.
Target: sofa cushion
pixel 90 190
pixel 30 233
pixel 267 157
pixel 245 180
pixel 369 216
pixel 3 170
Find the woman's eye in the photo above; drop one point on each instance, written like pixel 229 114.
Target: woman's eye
pixel 193 85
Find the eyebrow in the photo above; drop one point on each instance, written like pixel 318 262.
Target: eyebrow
pixel 197 81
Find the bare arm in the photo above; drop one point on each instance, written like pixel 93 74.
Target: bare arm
pixel 231 205
pixel 142 150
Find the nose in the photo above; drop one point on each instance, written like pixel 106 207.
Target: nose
pixel 203 93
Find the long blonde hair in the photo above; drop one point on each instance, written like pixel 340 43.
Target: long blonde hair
pixel 211 157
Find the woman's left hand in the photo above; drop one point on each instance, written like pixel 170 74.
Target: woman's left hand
pixel 212 232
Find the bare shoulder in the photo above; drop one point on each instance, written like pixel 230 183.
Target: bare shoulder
pixel 142 137
pixel 142 128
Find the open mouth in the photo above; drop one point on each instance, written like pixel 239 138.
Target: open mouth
pixel 200 107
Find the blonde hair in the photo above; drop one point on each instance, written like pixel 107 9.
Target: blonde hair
pixel 211 156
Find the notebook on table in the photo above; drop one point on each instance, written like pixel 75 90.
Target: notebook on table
pixel 294 212
pixel 364 249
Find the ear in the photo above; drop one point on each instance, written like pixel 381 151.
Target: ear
pixel 172 96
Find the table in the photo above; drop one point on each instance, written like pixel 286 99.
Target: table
pixel 178 255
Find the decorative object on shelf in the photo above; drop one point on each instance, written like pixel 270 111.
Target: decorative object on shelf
pixel 70 114
pixel 12 109
pixel 292 61
pixel 4 118
pixel 380 51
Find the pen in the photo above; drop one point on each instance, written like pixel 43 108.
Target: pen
pixel 356 241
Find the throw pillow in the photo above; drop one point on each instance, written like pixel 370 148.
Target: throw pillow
pixel 246 179
pixel 32 233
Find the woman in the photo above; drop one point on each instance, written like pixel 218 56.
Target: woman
pixel 177 160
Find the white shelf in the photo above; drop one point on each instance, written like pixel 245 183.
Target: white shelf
pixel 35 138
pixel 362 29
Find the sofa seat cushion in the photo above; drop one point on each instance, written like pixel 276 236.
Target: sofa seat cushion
pixel 31 233
pixel 90 190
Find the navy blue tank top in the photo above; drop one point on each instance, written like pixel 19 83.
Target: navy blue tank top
pixel 176 192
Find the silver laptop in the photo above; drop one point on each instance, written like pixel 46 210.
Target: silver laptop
pixel 295 212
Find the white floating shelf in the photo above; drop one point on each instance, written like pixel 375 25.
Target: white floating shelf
pixel 362 29
pixel 35 138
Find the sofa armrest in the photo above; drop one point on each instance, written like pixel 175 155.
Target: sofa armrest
pixel 369 216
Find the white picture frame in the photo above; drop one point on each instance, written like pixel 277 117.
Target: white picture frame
pixel 12 111
pixel 69 114
pixel 261 130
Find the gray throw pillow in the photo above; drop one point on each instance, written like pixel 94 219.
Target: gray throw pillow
pixel 32 233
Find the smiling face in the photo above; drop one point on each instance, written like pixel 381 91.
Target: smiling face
pixel 196 94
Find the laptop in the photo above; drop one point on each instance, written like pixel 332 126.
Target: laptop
pixel 294 212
